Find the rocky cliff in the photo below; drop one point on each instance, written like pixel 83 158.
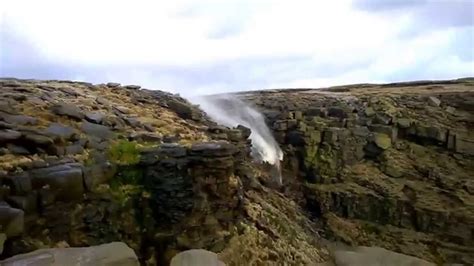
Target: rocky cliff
pixel 375 165
pixel 389 165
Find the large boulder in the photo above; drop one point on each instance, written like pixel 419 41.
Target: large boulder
pixel 196 257
pixel 94 130
pixel 375 256
pixel 68 110
pixel 66 180
pixel 111 254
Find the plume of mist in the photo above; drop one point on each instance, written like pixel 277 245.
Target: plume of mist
pixel 230 111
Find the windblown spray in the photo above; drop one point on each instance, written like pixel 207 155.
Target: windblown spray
pixel 230 111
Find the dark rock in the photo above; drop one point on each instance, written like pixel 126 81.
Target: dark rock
pixel 12 220
pixel 18 119
pixel 245 131
pixel 20 184
pixel 132 87
pixel 74 149
pixel 337 112
pixel 61 131
pixel 295 138
pixel 19 150
pixel 145 136
pixel 98 131
pixel 94 117
pixel 65 180
pixel 170 139
pixel 113 85
pixel 381 118
pixel 27 203
pixel 38 139
pixel 133 122
pixel 69 110
pixel 213 149
pixel 7 135
pixel 184 110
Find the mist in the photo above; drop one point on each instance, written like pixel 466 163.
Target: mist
pixel 230 111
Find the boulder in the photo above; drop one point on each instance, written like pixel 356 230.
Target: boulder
pixel 464 145
pixel 369 111
pixel 113 85
pixel 433 101
pixel 11 220
pixel 184 110
pixel 213 149
pixel 18 119
pixel 111 254
pixel 94 117
pixel 94 130
pixel 337 112
pixel 65 180
pixel 7 135
pixel 245 131
pixel 196 257
pixel 60 131
pixel 403 122
pixel 375 256
pixel 69 110
pixel 132 87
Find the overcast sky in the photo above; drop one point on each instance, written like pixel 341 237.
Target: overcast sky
pixel 195 47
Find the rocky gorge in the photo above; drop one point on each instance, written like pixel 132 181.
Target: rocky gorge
pixel 389 166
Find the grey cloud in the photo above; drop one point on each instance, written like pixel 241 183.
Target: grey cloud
pixel 427 15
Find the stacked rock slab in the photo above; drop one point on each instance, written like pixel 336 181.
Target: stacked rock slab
pixel 384 160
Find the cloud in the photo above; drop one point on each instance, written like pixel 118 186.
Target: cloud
pixel 217 46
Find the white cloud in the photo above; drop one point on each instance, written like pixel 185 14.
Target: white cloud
pixel 194 35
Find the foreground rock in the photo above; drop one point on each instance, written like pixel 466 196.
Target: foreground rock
pixel 196 257
pixel 375 256
pixel 111 254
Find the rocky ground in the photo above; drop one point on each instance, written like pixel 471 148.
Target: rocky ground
pixel 374 165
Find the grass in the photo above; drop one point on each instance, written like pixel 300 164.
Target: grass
pixel 124 153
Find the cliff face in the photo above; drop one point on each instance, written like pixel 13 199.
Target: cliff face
pixel 375 165
pixel 84 164
pixel 387 165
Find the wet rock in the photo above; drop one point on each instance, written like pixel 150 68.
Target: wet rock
pixel 65 180
pixel 7 135
pixel 196 257
pixel 11 220
pixel 98 131
pixel 20 183
pixel 61 131
pixel 94 117
pixel 69 110
pixel 433 101
pixel 115 253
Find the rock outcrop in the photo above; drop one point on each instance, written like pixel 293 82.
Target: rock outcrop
pixel 111 254
pixel 383 165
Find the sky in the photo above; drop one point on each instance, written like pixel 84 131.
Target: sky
pixel 215 46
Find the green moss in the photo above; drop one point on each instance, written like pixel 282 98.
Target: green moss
pixel 124 152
